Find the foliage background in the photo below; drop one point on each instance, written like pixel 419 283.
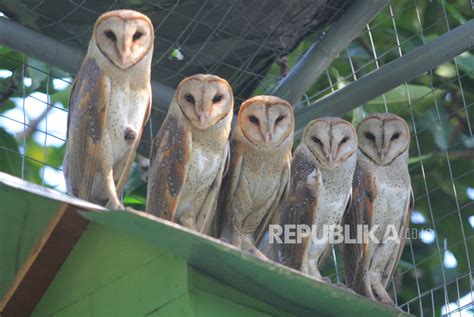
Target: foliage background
pixel 436 268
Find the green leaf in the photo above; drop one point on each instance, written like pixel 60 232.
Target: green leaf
pixel 357 115
pixel 466 63
pixel 439 127
pixel 38 71
pixel 399 95
pixel 134 199
pixel 10 59
pixel 61 96
pixel 417 159
pixel 10 161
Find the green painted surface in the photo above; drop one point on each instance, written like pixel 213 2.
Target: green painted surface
pixel 22 223
pixel 203 283
pixel 112 274
pixel 116 275
pixel 131 264
pixel 274 284
pixel 205 304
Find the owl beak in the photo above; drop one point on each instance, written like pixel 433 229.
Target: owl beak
pixel 123 52
pixel 202 118
pixel 382 155
pixel 268 138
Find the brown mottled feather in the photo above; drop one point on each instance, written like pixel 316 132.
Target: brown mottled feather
pixel 229 185
pixel 361 213
pixel 299 208
pixel 88 106
pixel 169 163
pixel 391 266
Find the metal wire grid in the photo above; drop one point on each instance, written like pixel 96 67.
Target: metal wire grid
pixel 453 294
pixel 31 126
pixel 230 37
pixel 428 298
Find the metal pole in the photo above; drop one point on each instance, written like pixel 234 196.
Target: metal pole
pixel 62 56
pixel 315 61
pixel 391 75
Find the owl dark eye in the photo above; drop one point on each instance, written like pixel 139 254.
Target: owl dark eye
pixel 253 119
pixel 316 140
pixel 189 98
pixel 395 136
pixel 344 140
pixel 216 98
pixel 280 118
pixel 369 136
pixel 137 35
pixel 110 35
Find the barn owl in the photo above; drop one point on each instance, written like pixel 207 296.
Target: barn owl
pixel 382 199
pixel 258 178
pixel 109 105
pixel 320 190
pixel 190 153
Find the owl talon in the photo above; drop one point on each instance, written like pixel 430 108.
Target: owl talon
pixel 326 279
pixel 113 206
pixel 225 240
pixel 256 252
pixel 130 135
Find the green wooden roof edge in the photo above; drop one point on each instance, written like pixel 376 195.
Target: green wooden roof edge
pixel 267 281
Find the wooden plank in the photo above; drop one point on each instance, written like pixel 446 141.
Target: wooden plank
pixel 272 283
pixel 200 282
pixel 114 274
pixel 21 228
pixel 41 267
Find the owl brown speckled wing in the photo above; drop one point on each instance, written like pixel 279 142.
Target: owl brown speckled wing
pixel 229 186
pixel 395 259
pixel 170 155
pixel 300 207
pixel 360 213
pixel 86 122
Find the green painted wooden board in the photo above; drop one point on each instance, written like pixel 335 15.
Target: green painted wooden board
pixel 287 289
pixel 130 263
pixel 110 273
pixel 24 215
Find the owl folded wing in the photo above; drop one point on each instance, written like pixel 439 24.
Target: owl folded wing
pixel 170 156
pixel 300 207
pixel 361 212
pixel 87 115
pixel 405 221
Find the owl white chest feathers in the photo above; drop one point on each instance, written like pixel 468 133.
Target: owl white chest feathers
pixel 258 188
pixel 334 193
pixel 333 196
pixel 128 100
pixel 127 109
pixel 206 160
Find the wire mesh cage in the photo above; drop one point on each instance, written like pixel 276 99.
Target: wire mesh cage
pixel 254 45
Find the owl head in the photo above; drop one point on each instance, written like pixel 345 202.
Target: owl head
pixel 383 137
pixel 204 99
pixel 266 121
pixel 124 37
pixel 331 140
